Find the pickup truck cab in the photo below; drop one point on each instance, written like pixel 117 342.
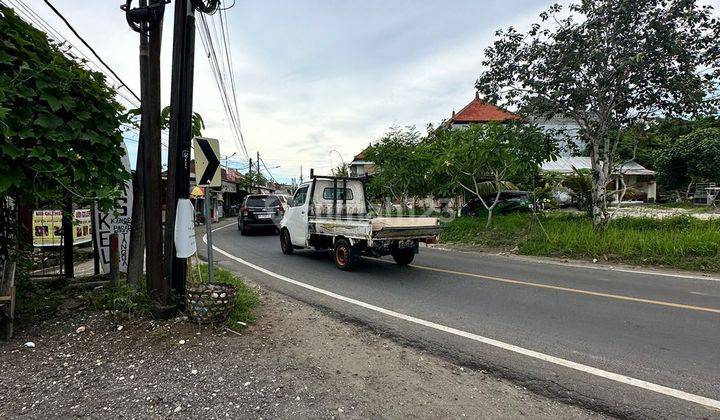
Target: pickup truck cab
pixel 333 213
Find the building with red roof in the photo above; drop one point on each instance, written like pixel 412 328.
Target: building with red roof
pixel 480 112
pixel 361 167
pixel 476 112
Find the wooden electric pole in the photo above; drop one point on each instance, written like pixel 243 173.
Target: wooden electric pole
pixel 67 238
pixel 153 165
pixel 250 175
pixel 147 20
pixel 181 134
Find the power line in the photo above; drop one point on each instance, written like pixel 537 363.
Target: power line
pixel 222 73
pixel 26 12
pixel 60 15
pixel 268 171
pixel 218 70
pixel 50 30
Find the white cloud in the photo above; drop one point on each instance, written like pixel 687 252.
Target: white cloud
pixel 315 76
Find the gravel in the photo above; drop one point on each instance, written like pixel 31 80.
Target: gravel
pixel 296 361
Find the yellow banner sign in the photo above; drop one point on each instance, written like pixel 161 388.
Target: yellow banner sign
pixel 47 227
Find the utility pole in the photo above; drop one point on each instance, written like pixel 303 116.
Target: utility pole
pixel 147 20
pixel 181 95
pixel 137 229
pixel 181 133
pixel 258 168
pixel 250 175
pixel 67 237
pixel 153 164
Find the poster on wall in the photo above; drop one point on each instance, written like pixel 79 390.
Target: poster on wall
pixel 47 227
pixel 117 220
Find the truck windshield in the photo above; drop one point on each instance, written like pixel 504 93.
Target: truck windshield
pixel 263 201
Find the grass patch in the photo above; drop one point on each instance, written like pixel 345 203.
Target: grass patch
pixel 37 300
pixel 42 299
pixel 679 242
pixel 247 298
pixel 123 298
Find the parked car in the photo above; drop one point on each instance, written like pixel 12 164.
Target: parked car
pixel 261 211
pixel 509 201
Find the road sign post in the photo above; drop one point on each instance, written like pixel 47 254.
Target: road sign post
pixel 207 173
pixel 208 230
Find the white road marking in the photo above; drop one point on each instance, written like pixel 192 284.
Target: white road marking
pixel 708 402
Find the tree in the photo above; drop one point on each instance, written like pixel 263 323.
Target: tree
pixel 251 180
pixel 59 123
pixel 198 124
pixel 694 157
pixel 485 158
pixel 642 142
pixel 608 64
pixel 342 169
pixel 401 162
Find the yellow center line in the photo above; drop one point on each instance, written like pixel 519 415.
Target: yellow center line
pixel 571 290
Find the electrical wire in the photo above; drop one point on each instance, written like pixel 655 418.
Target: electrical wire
pixel 268 171
pixel 32 17
pixel 72 29
pixel 228 7
pixel 218 73
pixel 222 73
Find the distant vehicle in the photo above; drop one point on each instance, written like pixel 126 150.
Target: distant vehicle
pixel 261 211
pixel 509 202
pixel 332 213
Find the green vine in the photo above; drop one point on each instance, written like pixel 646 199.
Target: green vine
pixel 59 122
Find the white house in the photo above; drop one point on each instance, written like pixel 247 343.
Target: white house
pixel 359 166
pixel 635 175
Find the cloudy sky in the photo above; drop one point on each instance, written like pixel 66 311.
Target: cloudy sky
pixel 316 76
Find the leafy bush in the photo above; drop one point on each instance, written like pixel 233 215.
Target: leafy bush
pixel 692 158
pixel 580 183
pixel 59 122
pixel 633 194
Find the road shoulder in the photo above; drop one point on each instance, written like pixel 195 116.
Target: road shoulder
pixel 372 374
pixel 297 361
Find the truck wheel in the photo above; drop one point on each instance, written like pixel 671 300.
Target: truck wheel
pixel 344 255
pixel 285 242
pixel 403 256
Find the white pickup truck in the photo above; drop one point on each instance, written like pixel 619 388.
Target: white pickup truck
pixel 333 213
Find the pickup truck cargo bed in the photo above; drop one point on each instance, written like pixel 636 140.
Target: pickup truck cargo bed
pixel 377 228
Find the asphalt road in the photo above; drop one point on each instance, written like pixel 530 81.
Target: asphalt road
pixel 611 330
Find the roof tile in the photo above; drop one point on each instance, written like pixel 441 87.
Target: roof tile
pixel 479 111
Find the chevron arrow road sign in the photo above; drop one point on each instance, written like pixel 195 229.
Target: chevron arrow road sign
pixel 207 162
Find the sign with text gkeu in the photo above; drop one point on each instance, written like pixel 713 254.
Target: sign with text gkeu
pixel 207 162
pixel 117 220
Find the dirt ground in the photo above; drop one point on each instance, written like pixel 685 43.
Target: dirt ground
pixel 296 362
